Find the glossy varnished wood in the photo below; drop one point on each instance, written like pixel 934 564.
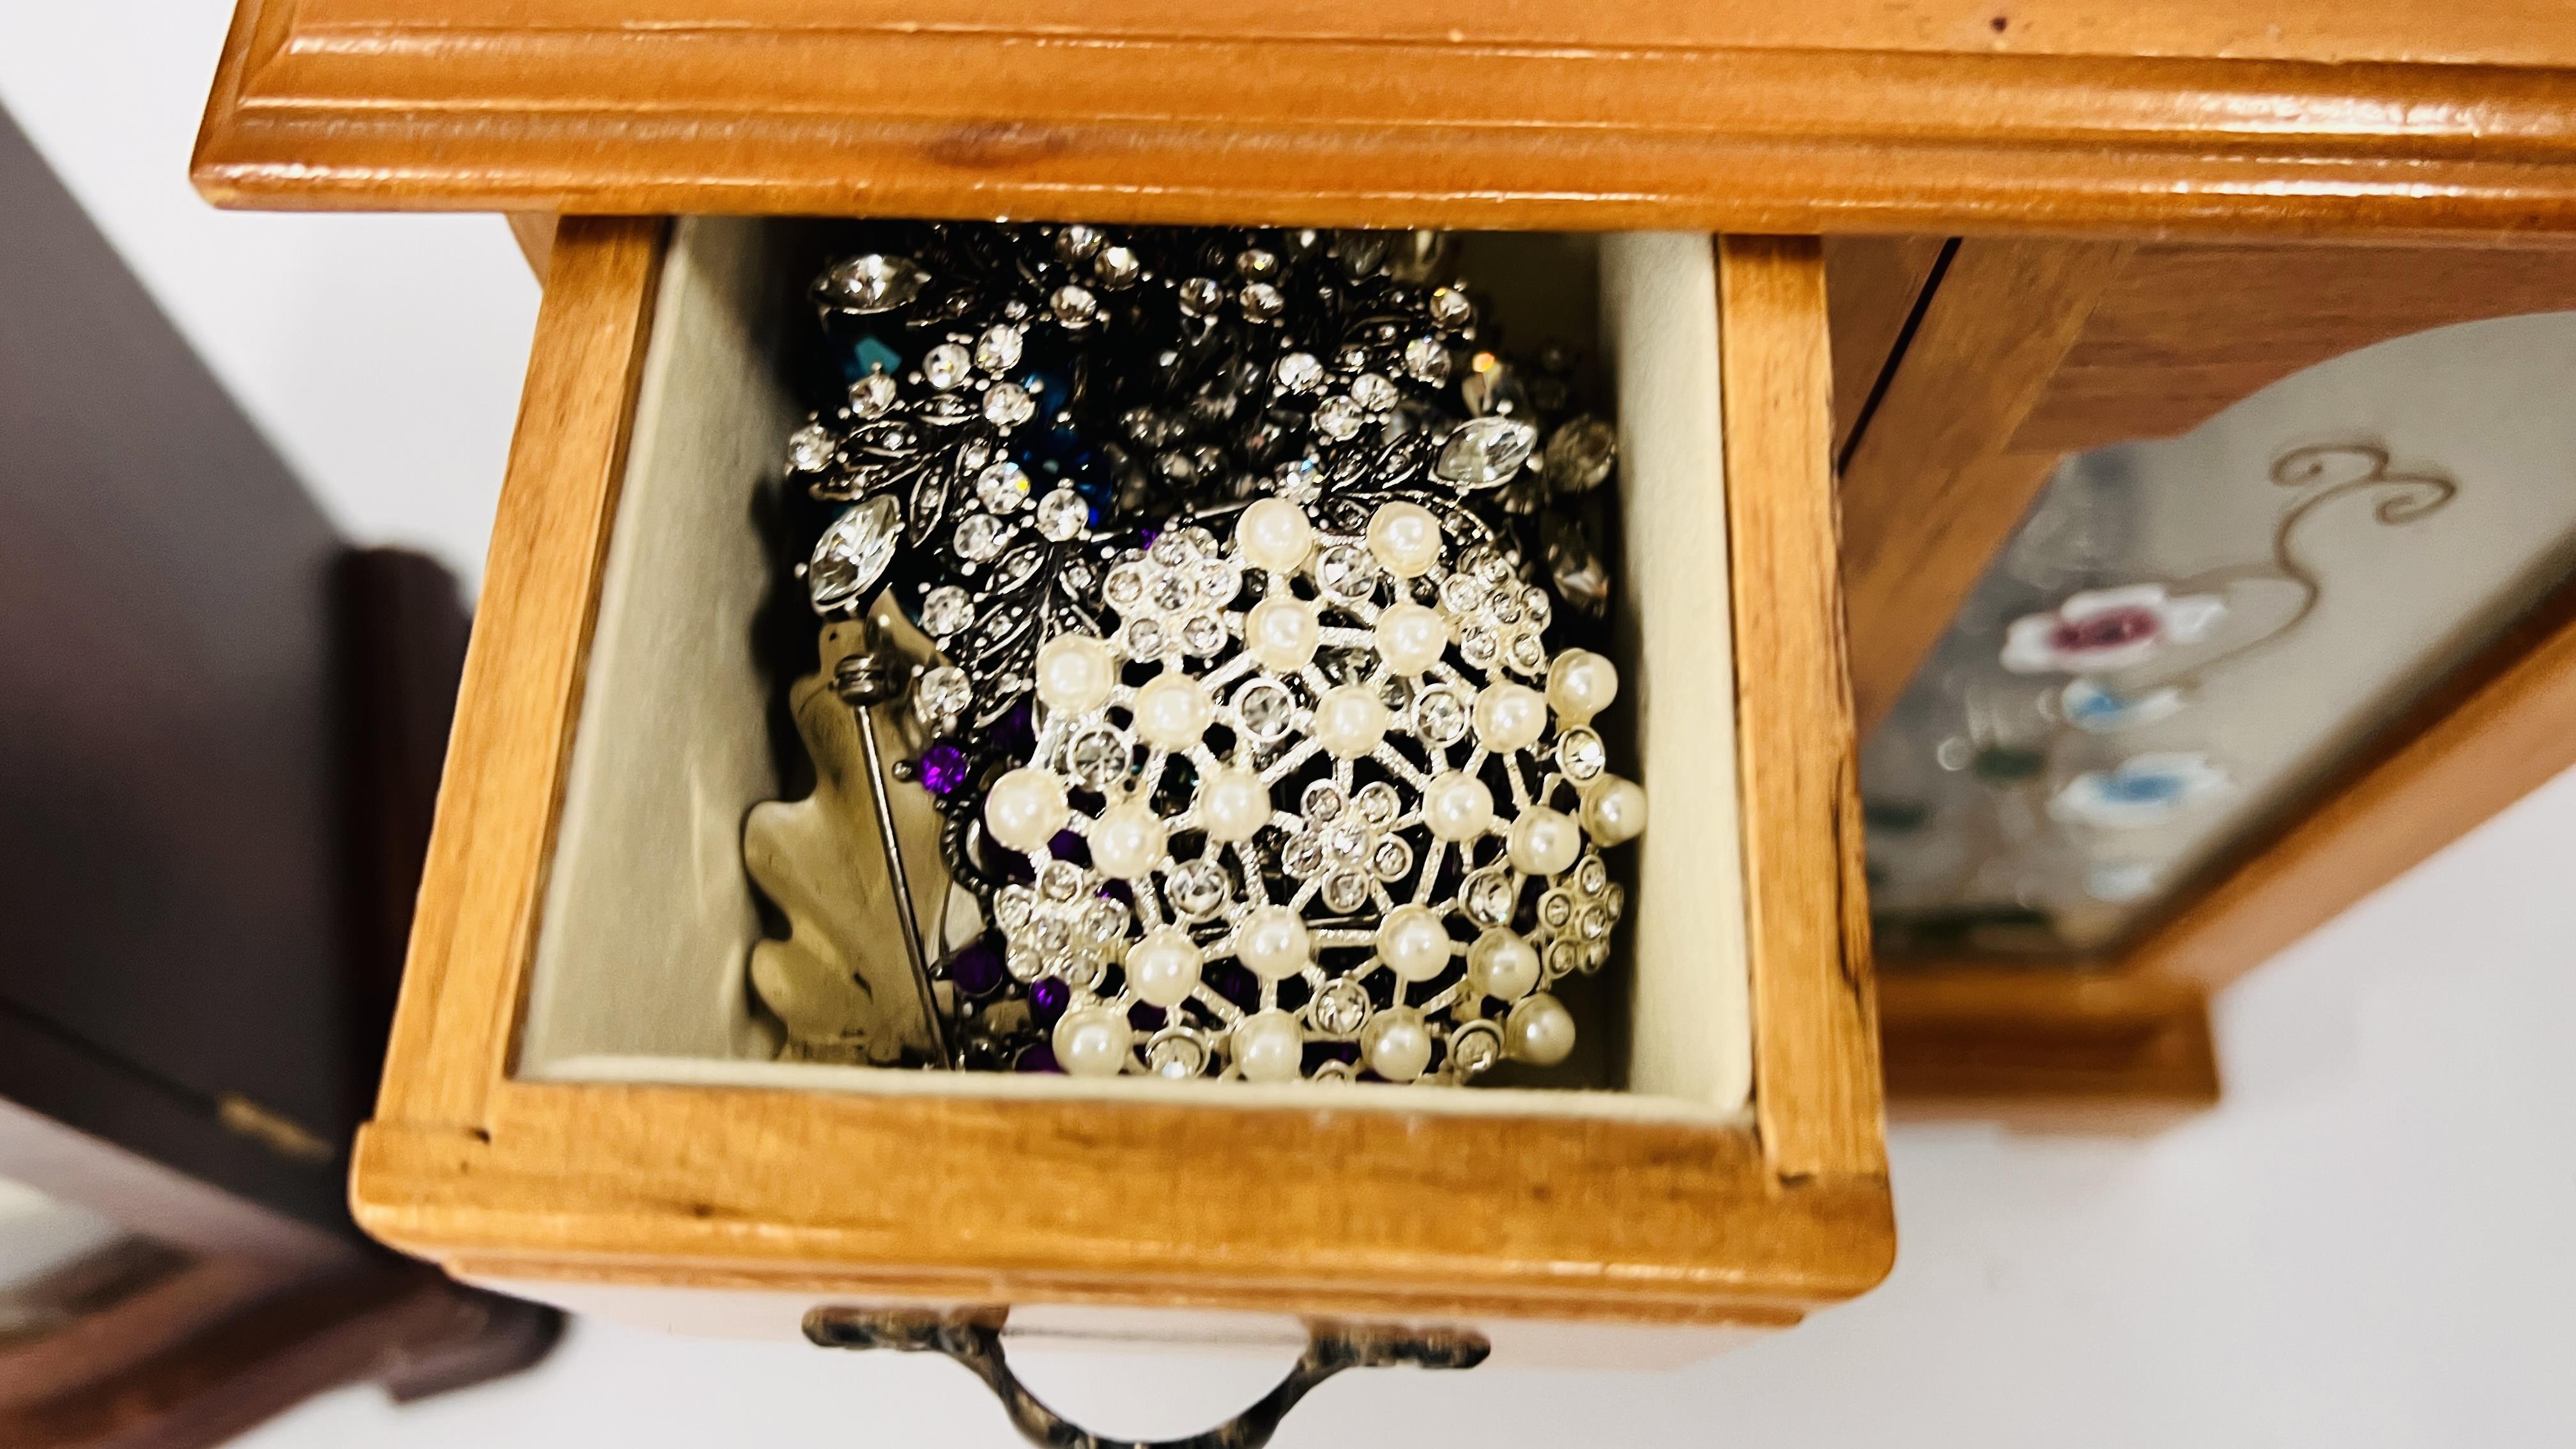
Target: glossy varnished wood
pixel 2166 336
pixel 1338 1210
pixel 1931 115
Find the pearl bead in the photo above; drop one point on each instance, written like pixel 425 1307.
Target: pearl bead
pixel 1126 841
pixel 1544 841
pixel 1457 807
pixel 1411 638
pixel 1405 537
pixel 1275 535
pixel 1395 1044
pixel 1539 1031
pixel 1233 804
pixel 1172 711
pixel 1503 964
pixel 1273 943
pixel 1413 942
pixel 1509 716
pixel 1581 684
pixel 1093 1042
pixel 1075 673
pixel 1349 721
pixel 1280 633
pixel 1163 968
pixel 1025 809
pixel 1614 810
pixel 1268 1047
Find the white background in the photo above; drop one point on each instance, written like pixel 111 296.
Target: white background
pixel 2369 1244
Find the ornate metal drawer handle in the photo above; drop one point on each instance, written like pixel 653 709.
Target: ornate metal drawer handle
pixel 973 1337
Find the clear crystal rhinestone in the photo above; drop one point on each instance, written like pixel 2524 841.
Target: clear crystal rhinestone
pixel 1596 955
pixel 1098 757
pixel 979 536
pixel 1480 645
pixel 1002 487
pixel 1125 586
pixel 1338 418
pixel 1462 593
pixel 1614 899
pixel 1536 608
pixel 1195 542
pixel 1504 609
pixel 1347 841
pixel 1346 570
pixel 1595 923
pixel 1556 910
pixel 1146 639
pixel 1427 358
pixel 1372 391
pixel 1103 921
pixel 1025 964
pixel 1580 454
pixel 1262 302
pixel 1080 972
pixel 874 283
pixel 1266 708
pixel 1323 802
pixel 1590 875
pixel 873 396
pixel 1060 880
pixel 1257 264
pixel 944 692
pixel 1201 297
pixel 1485 452
pixel 1202 635
pixel 1440 715
pixel 1526 655
pixel 1007 405
pixel 1049 935
pixel 1302 856
pixel 1169 593
pixel 998 350
pixel 1177 1054
pixel 1378 803
pixel 1171 550
pixel 1074 306
pixel 1340 1009
pixel 1062 514
pixel 1219 582
pixel 946 365
pixel 1564 956
pixel 1077 242
pixel 853 553
pixel 1579 753
pixel 809 448
pixel 1488 896
pixel 1393 859
pixel 1451 310
pixel 1116 267
pixel 1197 890
pixel 1475 1048
pixel 1299 372
pixel 1346 890
pixel 1492 567
pixel 1013 905
pixel 945 610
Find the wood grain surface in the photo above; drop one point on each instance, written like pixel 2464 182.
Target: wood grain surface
pixel 1933 115
pixel 1342 1210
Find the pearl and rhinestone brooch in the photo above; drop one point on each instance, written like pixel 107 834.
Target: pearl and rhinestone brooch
pixel 1237 562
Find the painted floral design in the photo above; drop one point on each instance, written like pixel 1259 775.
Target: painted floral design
pixel 2141 790
pixel 2097 709
pixel 2105 629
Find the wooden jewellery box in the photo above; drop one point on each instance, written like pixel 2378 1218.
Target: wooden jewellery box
pixel 582 1106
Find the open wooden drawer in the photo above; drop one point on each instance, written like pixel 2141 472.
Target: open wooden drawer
pixel 577 1103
